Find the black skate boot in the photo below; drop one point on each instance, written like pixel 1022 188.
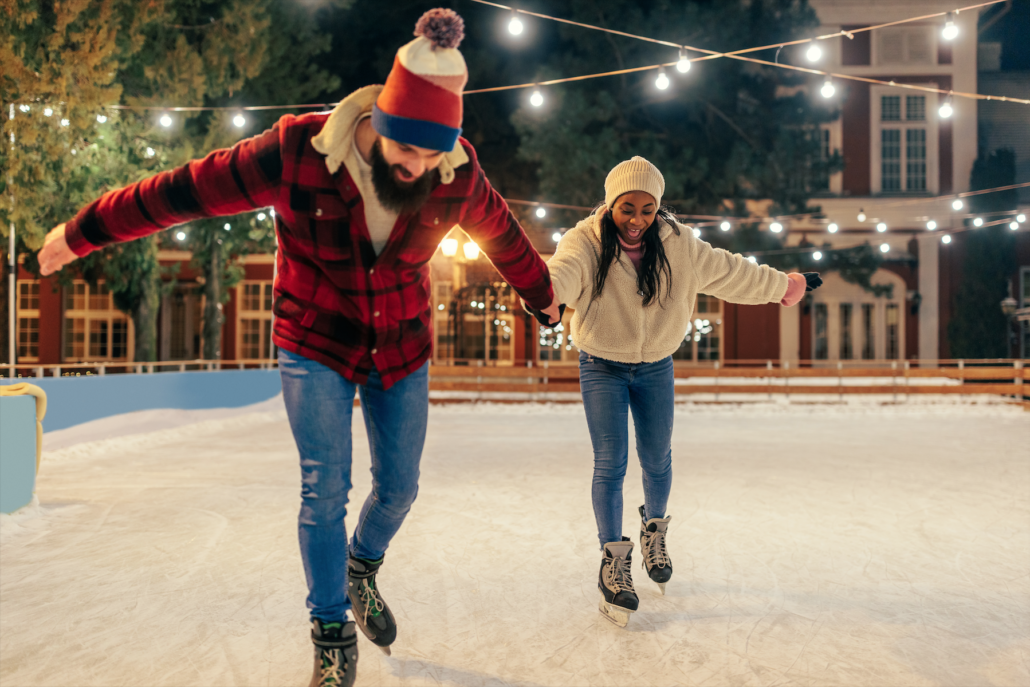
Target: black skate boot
pixel 618 599
pixel 336 654
pixel 370 611
pixel 656 559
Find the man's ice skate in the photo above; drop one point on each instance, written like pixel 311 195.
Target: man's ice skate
pixel 655 557
pixel 336 654
pixel 618 599
pixel 370 611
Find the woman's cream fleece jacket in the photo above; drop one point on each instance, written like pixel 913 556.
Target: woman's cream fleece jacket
pixel 616 325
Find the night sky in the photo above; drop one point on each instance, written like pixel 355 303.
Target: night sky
pixel 1011 30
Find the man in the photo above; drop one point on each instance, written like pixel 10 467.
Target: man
pixel 363 196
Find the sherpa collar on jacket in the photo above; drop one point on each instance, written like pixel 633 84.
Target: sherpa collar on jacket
pixel 336 140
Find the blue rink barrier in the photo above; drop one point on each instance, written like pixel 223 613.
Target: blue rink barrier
pixel 74 400
pixel 17 451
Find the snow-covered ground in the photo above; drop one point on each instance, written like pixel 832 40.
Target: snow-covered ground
pixel 841 545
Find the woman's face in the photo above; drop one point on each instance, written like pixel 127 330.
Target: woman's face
pixel 633 213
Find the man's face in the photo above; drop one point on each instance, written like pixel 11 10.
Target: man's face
pixel 403 175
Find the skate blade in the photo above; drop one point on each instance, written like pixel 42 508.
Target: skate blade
pixel 384 649
pixel 619 616
pixel 661 585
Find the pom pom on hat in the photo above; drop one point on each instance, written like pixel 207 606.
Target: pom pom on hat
pixel 442 27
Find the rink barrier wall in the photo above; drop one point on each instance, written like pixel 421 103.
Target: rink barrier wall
pixel 17 451
pixel 74 400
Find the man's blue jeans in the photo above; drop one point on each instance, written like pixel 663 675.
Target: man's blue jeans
pixel 610 390
pixel 320 403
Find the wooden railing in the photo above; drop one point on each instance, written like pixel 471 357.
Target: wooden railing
pixel 997 377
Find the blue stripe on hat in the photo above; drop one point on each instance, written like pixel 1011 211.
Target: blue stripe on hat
pixel 415 132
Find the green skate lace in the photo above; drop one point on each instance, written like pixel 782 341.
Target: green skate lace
pixel 618 576
pixel 654 551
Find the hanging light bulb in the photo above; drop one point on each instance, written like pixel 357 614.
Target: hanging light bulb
pixel 814 52
pixel 101 118
pixel 725 226
pixel 881 227
pixel 828 88
pixel 950 31
pixel 471 250
pixel 683 66
pixel 261 216
pixel 556 236
pixel 956 204
pixel 166 120
pixel 537 99
pixel 817 255
pixel 946 109
pixel 449 247
pixel 884 248
pixel 227 227
pixel 515 25
pixel 1013 225
pixel 662 82
pixel 978 222
pixel 24 108
pixel 861 215
pixel 931 225
pixel 239 121
pixel 65 122
pixel 946 238
pixel 832 228
pixel 181 235
pixel 150 152
pixel 1021 218
pixel 541 212
pixel 752 259
pixel 697 233
pixel 776 227
pixel 47 112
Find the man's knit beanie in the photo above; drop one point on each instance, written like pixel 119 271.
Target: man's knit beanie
pixel 421 102
pixel 633 175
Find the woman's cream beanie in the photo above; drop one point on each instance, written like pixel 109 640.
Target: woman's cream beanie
pixel 633 175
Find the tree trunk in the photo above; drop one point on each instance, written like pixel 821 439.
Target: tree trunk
pixel 213 313
pixel 144 319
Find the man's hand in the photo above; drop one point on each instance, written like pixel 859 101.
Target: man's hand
pixel 554 313
pixel 55 253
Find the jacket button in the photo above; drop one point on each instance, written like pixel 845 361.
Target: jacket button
pixel 318 212
pixel 374 351
pixel 436 221
pixel 376 313
pixel 372 271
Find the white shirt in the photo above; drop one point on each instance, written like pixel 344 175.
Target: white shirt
pixel 380 220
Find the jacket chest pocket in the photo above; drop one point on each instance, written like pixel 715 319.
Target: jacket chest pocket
pixel 423 235
pixel 323 218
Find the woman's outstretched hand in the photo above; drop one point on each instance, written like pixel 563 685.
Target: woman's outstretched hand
pixel 813 280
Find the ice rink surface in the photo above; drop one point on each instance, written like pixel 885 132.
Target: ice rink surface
pixel 812 546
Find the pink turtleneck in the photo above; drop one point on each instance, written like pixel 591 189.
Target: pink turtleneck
pixel 634 253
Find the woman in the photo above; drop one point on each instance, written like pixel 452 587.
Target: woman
pixel 632 274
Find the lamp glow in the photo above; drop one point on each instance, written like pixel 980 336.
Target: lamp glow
pixel 881 227
pixel 697 233
pixel 537 99
pixel 725 226
pixel 751 259
pixel 946 239
pixel 1021 218
pixel 978 222
pixel 884 248
pixel 1013 225
pixel 662 82
pixel 946 110
pixel 471 250
pixel 956 204
pixel 101 118
pixel 449 247
pixel 828 89
pixel 817 255
pixel 683 66
pixel 556 236
pixel 814 52
pixel 541 212
pixel 861 215
pixel 776 227
pixel 239 121
pixel 931 225
pixel 165 121
pixel 261 216
pixel 832 228
pixel 515 26
pixel 950 31
pixel 181 235
pixel 47 112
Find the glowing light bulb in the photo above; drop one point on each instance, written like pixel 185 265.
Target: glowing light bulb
pixel 24 108
pixel 751 259
pixel 950 31
pixel 449 247
pixel 541 212
pixel 817 255
pixel 828 89
pixel 697 233
pixel 227 227
pixel 861 215
pixel 165 121
pixel 261 217
pixel 65 122
pixel 471 251
pixel 931 225
pixel 884 248
pixel 1013 225
pixel 881 227
pixel 814 52
pixel 181 235
pixel 662 82
pixel 776 227
pixel 47 112
pixel 946 110
pixel 515 26
pixel 150 152
pixel 556 236
pixel 683 66
pixel 978 222
pixel 101 118
pixel 1021 218
pixel 957 204
pixel 725 226
pixel 832 228
pixel 537 99
pixel 946 239
pixel 239 121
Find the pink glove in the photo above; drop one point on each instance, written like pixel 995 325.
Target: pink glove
pixel 796 285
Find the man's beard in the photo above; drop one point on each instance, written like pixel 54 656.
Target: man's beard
pixel 400 197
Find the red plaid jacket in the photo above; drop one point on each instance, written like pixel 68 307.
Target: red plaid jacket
pixel 336 302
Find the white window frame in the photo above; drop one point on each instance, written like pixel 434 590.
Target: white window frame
pixel 110 315
pixel 718 326
pixel 262 315
pixel 27 314
pixel 932 139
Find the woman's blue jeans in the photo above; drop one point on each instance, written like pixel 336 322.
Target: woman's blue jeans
pixel 610 391
pixel 320 405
